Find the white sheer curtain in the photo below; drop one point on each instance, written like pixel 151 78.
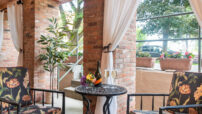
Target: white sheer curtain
pixel 118 15
pixel 197 8
pixel 1 28
pixel 15 20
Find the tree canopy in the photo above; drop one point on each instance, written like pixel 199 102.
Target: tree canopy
pixel 73 20
pixel 168 27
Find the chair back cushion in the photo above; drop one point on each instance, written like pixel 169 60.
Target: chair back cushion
pixel 186 88
pixel 14 85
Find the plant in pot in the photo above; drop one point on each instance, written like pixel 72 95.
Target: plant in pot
pixel 53 46
pixel 73 58
pixel 144 59
pixel 176 61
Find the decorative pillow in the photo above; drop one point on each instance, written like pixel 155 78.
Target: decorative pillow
pixel 14 85
pixel 186 89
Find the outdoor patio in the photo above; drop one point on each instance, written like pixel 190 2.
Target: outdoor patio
pixel 79 56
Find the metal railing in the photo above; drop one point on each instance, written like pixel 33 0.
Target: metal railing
pixel 60 78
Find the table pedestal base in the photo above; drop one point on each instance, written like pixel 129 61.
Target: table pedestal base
pixel 106 107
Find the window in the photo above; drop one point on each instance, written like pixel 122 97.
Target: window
pixel 168 26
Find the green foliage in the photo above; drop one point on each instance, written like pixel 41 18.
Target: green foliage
pixel 73 21
pixel 189 55
pixel 169 27
pixel 79 54
pixel 53 46
pixel 173 55
pixel 140 36
pixel 143 54
pixel 177 55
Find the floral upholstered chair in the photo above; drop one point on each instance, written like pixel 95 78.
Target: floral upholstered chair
pixel 16 97
pixel 185 95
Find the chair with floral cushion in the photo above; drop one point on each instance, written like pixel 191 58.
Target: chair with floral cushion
pixel 16 97
pixel 185 95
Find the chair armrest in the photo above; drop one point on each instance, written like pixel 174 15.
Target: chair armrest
pixel 11 103
pixel 179 107
pixel 144 94
pixel 51 91
pixel 47 90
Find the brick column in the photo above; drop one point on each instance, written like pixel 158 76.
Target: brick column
pixel 93 37
pixel 36 14
pixel 124 56
pixel 29 37
pixel 125 63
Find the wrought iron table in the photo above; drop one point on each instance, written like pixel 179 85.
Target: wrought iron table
pixel 106 90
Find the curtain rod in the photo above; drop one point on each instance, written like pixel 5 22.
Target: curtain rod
pixel 3 9
pixel 18 2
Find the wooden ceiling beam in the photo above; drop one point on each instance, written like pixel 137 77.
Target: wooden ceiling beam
pixel 4 3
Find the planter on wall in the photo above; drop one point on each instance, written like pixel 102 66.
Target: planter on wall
pixel 72 59
pixel 145 62
pixel 176 64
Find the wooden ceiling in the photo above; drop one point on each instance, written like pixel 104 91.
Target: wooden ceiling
pixel 3 3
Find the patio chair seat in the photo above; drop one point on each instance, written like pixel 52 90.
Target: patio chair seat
pixel 36 109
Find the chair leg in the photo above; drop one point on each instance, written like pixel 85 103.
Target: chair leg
pixel 160 111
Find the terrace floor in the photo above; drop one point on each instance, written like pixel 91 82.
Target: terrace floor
pixel 72 106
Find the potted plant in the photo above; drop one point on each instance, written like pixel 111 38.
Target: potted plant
pixel 144 59
pixel 176 61
pixel 53 46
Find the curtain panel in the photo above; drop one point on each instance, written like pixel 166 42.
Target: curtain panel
pixel 197 9
pixel 15 20
pixel 118 15
pixel 1 28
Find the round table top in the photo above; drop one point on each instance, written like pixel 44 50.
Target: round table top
pixel 104 90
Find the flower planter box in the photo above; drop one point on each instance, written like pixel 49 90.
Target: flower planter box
pixel 72 59
pixel 176 64
pixel 145 62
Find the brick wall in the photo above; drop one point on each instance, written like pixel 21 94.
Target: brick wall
pixel 44 9
pixel 93 33
pixel 8 53
pixel 125 63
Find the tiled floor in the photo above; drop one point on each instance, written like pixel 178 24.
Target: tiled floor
pixel 72 106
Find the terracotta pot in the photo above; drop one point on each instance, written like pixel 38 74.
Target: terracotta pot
pixel 176 64
pixel 145 62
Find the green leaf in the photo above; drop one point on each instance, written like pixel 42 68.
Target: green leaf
pixel 8 96
pixel 186 101
pixel 18 96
